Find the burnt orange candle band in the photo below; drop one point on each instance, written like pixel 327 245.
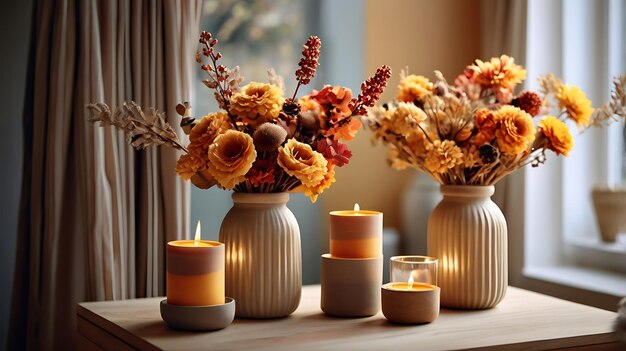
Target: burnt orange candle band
pixel 356 234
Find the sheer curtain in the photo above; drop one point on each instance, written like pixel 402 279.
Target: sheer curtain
pixel 94 214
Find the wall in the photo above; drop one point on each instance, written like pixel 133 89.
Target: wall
pixel 14 40
pixel 424 35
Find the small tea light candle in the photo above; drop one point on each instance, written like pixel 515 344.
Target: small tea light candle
pixel 416 299
pixel 195 272
pixel 356 233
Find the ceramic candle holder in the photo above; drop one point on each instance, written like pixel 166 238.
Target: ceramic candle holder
pixel 351 286
pixel 199 318
pixel 412 297
pixel 410 306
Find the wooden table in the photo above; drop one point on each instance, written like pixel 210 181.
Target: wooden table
pixel 524 320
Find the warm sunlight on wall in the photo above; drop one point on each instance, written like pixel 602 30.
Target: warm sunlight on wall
pixel 424 35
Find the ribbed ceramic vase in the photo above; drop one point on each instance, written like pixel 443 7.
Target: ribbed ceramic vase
pixel 467 232
pixel 263 255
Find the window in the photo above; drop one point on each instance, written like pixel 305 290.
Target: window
pixel 583 43
pixel 262 34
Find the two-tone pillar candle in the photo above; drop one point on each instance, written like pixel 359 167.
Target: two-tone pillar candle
pixel 356 234
pixel 195 272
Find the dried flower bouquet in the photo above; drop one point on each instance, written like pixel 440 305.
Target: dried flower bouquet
pixel 260 141
pixel 475 131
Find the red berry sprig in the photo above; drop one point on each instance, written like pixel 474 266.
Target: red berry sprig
pixel 309 62
pixel 220 75
pixel 371 90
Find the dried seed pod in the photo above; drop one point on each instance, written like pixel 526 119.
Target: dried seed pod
pixel 269 136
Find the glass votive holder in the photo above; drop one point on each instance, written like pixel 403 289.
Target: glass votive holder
pixel 412 296
pixel 419 269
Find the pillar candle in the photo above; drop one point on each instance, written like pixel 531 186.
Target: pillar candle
pixel 356 233
pixel 195 273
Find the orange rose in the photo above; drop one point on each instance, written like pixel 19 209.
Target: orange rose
pixel 301 161
pixel 230 157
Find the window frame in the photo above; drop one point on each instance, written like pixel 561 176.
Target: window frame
pixel 554 245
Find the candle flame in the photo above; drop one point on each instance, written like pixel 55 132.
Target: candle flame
pixel 410 281
pixel 357 208
pixel 196 240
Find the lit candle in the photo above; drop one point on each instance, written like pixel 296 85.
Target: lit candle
pixel 356 233
pixel 195 272
pixel 415 300
pixel 411 285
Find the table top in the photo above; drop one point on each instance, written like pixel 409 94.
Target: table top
pixel 524 320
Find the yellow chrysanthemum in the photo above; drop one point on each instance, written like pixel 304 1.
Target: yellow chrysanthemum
pixel 188 165
pixel 442 156
pixel 515 131
pixel 301 161
pixel 498 73
pixel 204 132
pixel 558 135
pixel 257 103
pixel 406 117
pixel 230 157
pixel 413 88
pixel 416 141
pixel 575 103
pixel 327 181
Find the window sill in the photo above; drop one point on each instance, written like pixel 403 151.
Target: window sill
pixel 619 246
pixel 581 278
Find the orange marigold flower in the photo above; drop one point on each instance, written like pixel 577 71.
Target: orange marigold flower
pixel 575 103
pixel 558 135
pixel 256 103
pixel 204 132
pixel 345 131
pixel 187 166
pixel 262 172
pixel 329 178
pixel 516 130
pixel 498 73
pixel 414 88
pixel 336 99
pixel 486 124
pixel 230 157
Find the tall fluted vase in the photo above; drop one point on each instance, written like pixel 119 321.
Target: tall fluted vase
pixel 467 232
pixel 263 255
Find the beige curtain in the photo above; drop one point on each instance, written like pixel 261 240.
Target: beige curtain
pixel 503 31
pixel 95 214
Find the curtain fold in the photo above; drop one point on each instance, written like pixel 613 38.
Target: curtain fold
pixel 95 214
pixel 503 31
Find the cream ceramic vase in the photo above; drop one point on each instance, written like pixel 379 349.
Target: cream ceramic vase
pixel 263 255
pixel 467 232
